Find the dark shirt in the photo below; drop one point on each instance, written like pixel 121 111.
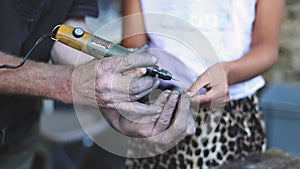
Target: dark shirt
pixel 22 23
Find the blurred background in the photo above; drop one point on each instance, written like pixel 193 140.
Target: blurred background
pixel 280 99
pixel 67 146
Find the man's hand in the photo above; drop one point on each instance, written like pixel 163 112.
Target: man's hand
pixel 103 83
pixel 173 122
pixel 167 129
pixel 117 94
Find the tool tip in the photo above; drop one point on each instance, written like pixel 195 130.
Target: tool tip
pixel 175 79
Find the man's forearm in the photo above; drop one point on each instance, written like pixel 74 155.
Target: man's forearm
pixel 36 79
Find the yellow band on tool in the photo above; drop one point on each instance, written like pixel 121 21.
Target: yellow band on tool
pixel 65 35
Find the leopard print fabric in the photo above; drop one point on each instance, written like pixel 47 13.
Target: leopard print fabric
pixel 221 136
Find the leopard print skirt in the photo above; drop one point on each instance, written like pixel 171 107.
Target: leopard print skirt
pixel 222 135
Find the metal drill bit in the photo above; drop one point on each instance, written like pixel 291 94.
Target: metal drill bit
pixel 162 73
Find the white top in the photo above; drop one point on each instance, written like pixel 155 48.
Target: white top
pixel 227 25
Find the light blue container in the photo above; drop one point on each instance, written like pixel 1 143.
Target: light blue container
pixel 280 105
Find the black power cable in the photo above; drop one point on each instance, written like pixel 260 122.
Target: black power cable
pixel 41 39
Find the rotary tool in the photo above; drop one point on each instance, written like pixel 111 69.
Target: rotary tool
pixel 98 47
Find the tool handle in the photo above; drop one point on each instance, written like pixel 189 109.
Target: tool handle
pixel 97 47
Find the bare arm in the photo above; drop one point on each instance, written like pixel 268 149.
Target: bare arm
pixel 262 55
pixel 134 34
pixel 37 79
pixel 41 79
pixel 98 83
pixel 264 49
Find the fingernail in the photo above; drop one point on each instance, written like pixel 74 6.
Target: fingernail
pixel 144 70
pixel 175 93
pixel 158 110
pixel 167 92
pixel 185 98
pixel 166 95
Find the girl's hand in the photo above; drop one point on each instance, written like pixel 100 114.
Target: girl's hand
pixel 214 81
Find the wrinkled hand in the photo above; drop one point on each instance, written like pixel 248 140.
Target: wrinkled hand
pixel 108 85
pixel 102 82
pixel 172 124
pixel 166 131
pixel 214 81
